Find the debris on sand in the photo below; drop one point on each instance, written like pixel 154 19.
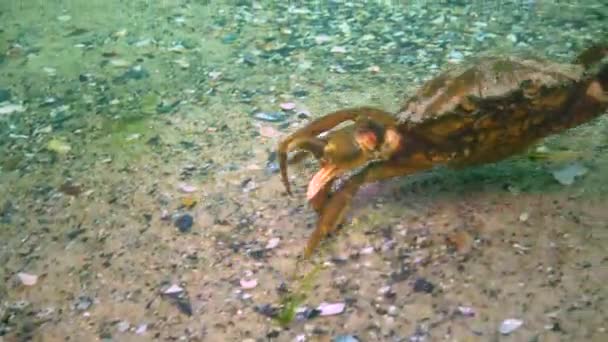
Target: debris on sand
pixel 567 175
pixel 27 279
pixel 330 309
pixel 510 325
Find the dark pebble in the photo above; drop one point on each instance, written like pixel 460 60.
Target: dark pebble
pixel 267 310
pixel 258 253
pixel 184 223
pixel 74 233
pixel 184 306
pixel 273 334
pixel 423 285
pixel 300 93
pixel 83 303
pixel 307 314
pixel 5 95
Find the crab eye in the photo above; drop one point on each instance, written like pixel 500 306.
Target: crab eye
pixel 366 139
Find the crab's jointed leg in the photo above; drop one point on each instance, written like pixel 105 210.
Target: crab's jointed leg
pixel 335 207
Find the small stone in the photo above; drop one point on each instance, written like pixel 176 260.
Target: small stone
pixel 215 75
pixel 186 188
pixel 322 38
pixel 267 310
pixel 173 289
pixel 273 243
pixel 455 56
pixel 50 71
pixel 10 108
pixel 123 326
pixel 374 69
pixel 132 137
pixel 510 325
pixel 184 223
pixel 524 216
pixel 367 250
pixel 338 49
pixel 329 309
pixel 568 174
pixel 270 117
pixel 182 63
pixel 27 279
pixel 269 132
pixel 58 146
pixel 119 63
pixel 288 106
pixel 423 285
pixel 248 284
pixel 141 329
pixel 466 311
pixel 84 303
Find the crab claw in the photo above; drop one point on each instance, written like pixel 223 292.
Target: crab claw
pixel 341 148
pixel 325 175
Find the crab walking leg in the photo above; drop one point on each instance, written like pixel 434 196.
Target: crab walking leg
pixel 333 211
pixel 304 138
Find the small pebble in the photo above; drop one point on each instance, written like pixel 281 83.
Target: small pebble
pixel 123 326
pixel 329 309
pixel 273 243
pixel 322 38
pixel 27 279
pixel 466 311
pixel 510 325
pixel 524 216
pixel 568 174
pixel 367 250
pixel 184 223
pixel 288 106
pixel 120 63
pixel 270 117
pixel 338 49
pixel 248 284
pixel 269 132
pixel 374 69
pixel 173 289
pixel 186 188
pixel 423 285
pixel 84 303
pixel 141 329
pixel 10 108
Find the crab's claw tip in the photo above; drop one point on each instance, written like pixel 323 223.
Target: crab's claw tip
pixel 320 179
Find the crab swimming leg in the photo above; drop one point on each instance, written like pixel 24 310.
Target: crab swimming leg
pixel 335 207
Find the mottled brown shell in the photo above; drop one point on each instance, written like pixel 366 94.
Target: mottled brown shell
pixel 489 78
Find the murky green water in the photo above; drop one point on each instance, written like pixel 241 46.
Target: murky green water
pixel 137 144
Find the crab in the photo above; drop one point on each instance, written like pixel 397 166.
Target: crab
pixel 480 112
